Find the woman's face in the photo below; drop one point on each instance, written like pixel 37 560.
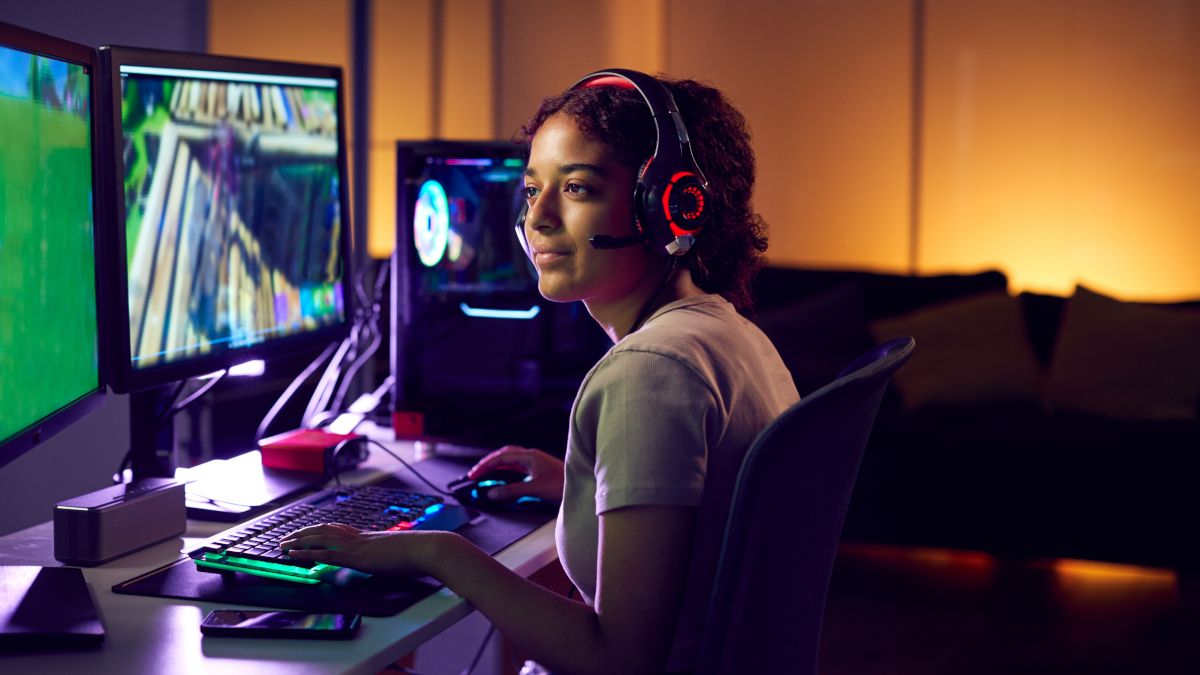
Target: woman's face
pixel 576 189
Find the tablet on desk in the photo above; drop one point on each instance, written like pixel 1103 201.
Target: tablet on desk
pixel 46 608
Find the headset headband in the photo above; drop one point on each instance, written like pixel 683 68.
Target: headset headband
pixel 672 192
pixel 662 107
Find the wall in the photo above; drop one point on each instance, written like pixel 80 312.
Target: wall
pixel 1055 137
pixel 83 457
pixel 1063 144
pixel 825 87
pixel 180 24
pixel 831 127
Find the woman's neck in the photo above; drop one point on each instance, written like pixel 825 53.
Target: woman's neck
pixel 617 319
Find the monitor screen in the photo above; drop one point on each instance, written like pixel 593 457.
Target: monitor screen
pixel 232 178
pixel 462 200
pixel 49 354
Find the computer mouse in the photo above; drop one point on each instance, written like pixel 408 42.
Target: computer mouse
pixel 474 493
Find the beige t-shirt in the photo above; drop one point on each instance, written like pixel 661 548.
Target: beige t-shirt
pixel 665 419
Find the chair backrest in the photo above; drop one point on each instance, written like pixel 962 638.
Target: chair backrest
pixel 789 505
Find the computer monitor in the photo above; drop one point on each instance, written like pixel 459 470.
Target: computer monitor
pixel 478 355
pixel 231 237
pixel 50 372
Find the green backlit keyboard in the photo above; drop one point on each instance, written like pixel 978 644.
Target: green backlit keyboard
pixel 253 547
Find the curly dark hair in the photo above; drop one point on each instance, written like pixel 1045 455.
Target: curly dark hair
pixel 730 250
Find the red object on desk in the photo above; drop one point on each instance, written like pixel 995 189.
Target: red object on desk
pixel 301 449
pixel 408 424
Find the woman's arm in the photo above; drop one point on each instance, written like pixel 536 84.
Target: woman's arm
pixel 643 560
pixel 644 556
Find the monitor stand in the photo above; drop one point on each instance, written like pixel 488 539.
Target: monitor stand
pixel 226 490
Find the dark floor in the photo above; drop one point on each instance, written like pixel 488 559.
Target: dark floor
pixel 901 611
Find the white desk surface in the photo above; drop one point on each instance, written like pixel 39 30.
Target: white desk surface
pixel 162 635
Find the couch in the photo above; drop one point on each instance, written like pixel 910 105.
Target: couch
pixel 1025 426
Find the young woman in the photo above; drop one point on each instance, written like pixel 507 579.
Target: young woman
pixel 660 424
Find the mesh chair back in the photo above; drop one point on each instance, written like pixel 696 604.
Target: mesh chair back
pixel 789 505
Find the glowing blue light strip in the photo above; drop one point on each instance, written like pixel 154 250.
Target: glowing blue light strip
pixel 485 313
pixel 259 78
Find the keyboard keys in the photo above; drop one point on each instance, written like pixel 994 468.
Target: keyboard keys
pixel 254 547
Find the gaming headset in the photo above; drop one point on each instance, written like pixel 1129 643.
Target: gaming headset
pixel 671 196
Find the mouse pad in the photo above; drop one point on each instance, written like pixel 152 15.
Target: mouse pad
pixel 375 596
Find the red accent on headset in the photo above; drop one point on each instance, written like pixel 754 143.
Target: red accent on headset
pixel 609 81
pixel 698 195
pixel 666 202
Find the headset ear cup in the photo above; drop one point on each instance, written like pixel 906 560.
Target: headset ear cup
pixel 671 198
pixel 687 204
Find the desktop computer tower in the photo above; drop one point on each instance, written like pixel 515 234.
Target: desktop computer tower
pixel 477 355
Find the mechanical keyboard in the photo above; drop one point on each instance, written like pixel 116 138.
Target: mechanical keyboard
pixel 253 547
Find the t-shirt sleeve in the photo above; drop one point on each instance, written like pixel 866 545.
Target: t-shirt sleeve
pixel 654 418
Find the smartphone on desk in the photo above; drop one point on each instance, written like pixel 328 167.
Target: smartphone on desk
pixel 270 624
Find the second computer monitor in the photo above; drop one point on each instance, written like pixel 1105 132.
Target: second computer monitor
pixel 231 202
pixel 49 324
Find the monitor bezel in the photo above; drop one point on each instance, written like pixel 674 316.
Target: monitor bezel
pixel 31 436
pixel 124 377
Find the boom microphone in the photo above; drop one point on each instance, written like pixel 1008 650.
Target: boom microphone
pixel 601 241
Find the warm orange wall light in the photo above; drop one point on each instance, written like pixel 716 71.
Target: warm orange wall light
pixel 1060 145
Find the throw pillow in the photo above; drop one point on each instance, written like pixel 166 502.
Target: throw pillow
pixel 970 351
pixel 1126 360
pixel 819 335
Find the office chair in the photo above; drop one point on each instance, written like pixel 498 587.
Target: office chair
pixel 789 504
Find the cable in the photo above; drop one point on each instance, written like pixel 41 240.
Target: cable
pixel 324 386
pixel 381 277
pixel 352 370
pixel 383 387
pixel 195 396
pixel 174 398
pixel 362 333
pixel 370 333
pixel 361 439
pixel 291 389
pixel 651 304
pixel 173 407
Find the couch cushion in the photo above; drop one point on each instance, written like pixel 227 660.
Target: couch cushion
pixel 883 295
pixel 1128 361
pixel 819 336
pixel 970 351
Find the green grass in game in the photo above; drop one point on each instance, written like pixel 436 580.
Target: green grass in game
pixel 48 354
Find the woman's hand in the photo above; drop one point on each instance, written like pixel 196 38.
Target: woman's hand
pixel 545 473
pixel 399 553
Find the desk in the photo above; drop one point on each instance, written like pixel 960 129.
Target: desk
pixel 162 635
